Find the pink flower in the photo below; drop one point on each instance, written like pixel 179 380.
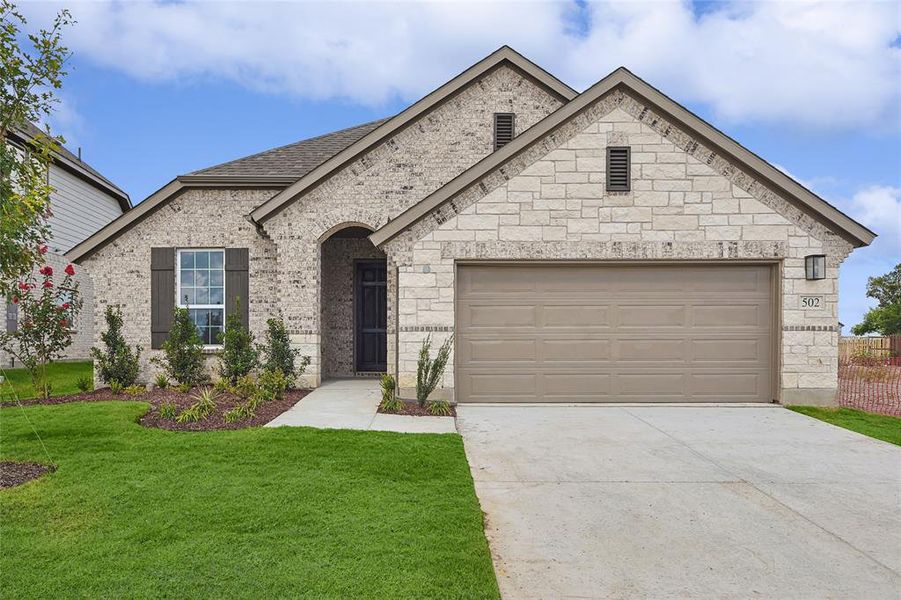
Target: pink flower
pixel 15 299
pixel 48 284
pixel 42 248
pixel 70 270
pixel 63 322
pixel 65 306
pixel 23 286
pixel 46 270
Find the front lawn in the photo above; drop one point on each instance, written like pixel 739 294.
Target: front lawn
pixel 256 513
pixel 64 378
pixel 881 427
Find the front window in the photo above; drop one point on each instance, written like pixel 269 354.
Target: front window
pixel 201 289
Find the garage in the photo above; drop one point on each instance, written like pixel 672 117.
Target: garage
pixel 565 332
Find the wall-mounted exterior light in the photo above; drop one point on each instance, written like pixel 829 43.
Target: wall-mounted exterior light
pixel 815 266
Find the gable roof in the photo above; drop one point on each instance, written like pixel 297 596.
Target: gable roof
pixel 65 159
pixel 504 55
pixel 293 160
pixel 781 183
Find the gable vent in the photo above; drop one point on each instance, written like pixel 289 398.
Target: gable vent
pixel 503 129
pixel 618 169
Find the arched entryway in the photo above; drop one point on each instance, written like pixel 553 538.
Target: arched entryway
pixel 353 304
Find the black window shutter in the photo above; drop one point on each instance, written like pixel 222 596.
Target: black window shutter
pixel 619 178
pixel 162 294
pixel 503 129
pixel 237 283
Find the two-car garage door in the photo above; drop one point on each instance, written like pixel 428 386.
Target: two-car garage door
pixel 534 332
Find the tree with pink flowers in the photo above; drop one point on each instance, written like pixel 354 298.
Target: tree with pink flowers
pixel 47 311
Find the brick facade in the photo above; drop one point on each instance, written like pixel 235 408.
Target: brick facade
pixel 685 203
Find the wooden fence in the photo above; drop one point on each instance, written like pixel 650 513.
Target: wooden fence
pixel 876 347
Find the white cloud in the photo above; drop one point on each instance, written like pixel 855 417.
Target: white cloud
pixel 825 65
pixel 879 208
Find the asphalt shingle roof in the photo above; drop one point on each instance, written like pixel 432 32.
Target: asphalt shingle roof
pixel 293 160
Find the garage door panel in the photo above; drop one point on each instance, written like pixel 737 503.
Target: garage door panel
pixel 608 333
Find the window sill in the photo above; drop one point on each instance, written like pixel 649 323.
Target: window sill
pixel 212 349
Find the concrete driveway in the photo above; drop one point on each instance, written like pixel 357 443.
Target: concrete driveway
pixel 679 502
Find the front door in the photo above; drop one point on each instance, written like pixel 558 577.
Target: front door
pixel 370 325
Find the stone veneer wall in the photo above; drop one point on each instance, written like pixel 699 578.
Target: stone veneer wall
pixel 385 181
pixel 337 302
pixel 686 203
pixel 84 323
pixel 199 218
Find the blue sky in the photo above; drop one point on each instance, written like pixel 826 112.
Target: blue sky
pixel 160 89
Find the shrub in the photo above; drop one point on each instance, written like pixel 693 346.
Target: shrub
pixel 429 371
pixel 115 387
pixel 184 388
pixel 204 404
pixel 390 402
pixel 167 410
pixel 239 356
pixel 245 387
pixel 161 381
pixel 47 311
pixel 271 385
pixel 85 383
pixel 118 361
pixel 221 385
pixel 134 390
pixel 278 355
pixel 238 413
pixel 183 351
pixel 438 408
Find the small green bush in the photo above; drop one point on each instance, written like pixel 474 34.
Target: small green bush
pixel 204 404
pixel 238 413
pixel 438 408
pixel 118 361
pixel 85 383
pixel 390 402
pixel 276 353
pixel 161 381
pixel 221 385
pixel 245 387
pixel 183 351
pixel 167 410
pixel 134 390
pixel 271 385
pixel 184 388
pixel 429 371
pixel 115 387
pixel 239 356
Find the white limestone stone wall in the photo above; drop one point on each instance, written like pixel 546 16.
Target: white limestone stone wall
pixel 685 203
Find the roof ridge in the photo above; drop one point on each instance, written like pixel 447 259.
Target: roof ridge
pixel 288 145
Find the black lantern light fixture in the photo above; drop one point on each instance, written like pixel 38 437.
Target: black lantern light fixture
pixel 815 266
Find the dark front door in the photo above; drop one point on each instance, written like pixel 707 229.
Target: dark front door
pixel 371 317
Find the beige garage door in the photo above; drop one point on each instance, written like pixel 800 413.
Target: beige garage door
pixel 589 333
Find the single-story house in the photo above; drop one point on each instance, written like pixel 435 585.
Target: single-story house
pixel 599 246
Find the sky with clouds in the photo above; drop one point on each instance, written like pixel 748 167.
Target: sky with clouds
pixel 160 89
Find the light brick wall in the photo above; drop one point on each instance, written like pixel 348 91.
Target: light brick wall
pixel 685 203
pixel 387 180
pixel 196 219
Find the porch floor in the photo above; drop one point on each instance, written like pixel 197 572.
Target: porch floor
pixel 352 404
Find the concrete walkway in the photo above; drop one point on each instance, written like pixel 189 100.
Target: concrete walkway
pixel 352 404
pixel 679 502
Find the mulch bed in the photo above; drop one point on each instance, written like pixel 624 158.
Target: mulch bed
pixel 13 473
pixel 224 401
pixel 412 408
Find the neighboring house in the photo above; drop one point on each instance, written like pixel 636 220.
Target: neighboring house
pixel 82 202
pixel 602 246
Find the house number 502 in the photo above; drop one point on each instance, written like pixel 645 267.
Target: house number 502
pixel 811 301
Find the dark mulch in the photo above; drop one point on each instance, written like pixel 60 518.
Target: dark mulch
pixel 412 408
pixel 224 401
pixel 14 473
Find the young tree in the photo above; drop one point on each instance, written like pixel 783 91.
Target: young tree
pixel 46 323
pixel 239 356
pixel 277 354
pixel 30 76
pixel 183 351
pixel 117 362
pixel 885 319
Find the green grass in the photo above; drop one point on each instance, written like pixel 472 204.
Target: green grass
pixel 63 379
pixel 880 427
pixel 254 513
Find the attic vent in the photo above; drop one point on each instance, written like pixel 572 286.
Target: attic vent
pixel 618 169
pixel 503 129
